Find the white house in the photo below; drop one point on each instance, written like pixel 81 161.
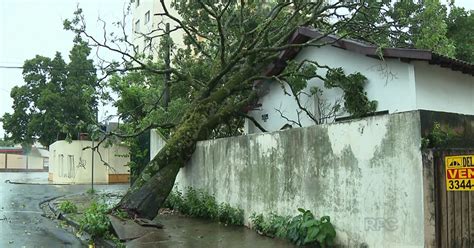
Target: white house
pixel 404 80
pixel 72 162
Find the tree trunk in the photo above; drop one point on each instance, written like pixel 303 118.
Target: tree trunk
pixel 156 181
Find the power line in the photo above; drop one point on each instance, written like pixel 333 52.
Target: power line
pixel 48 68
pixel 10 67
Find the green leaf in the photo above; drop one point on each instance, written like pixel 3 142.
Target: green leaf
pixel 310 223
pixel 311 236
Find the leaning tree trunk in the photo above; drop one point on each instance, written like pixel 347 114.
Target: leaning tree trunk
pixel 156 181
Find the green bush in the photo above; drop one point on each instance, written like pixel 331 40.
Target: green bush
pixel 229 215
pixel 174 200
pixel 95 221
pixel 197 203
pixel 67 207
pixel 274 226
pixel 302 229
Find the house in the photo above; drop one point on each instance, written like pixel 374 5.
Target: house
pixel 18 159
pixel 74 162
pixel 404 80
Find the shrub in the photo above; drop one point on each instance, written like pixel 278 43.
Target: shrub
pixel 258 222
pixel 302 229
pixel 197 203
pixel 174 200
pixel 230 215
pixel 67 207
pixel 95 220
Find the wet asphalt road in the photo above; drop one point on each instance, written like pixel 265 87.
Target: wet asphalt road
pixel 21 223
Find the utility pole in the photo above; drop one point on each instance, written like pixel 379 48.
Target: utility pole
pixel 93 149
pixel 166 93
pixel 92 167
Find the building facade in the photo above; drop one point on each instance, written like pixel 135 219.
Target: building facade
pixel 147 26
pixel 73 162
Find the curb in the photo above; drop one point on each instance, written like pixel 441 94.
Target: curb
pixel 49 200
pixel 15 182
pixel 99 241
pixel 24 183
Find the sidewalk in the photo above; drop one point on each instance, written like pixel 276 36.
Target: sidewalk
pixel 178 231
pixel 26 177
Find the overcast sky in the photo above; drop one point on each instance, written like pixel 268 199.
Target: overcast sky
pixel 31 27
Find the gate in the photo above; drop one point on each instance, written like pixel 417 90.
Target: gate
pixel 454 209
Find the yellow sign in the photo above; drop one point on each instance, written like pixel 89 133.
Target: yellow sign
pixel 459 173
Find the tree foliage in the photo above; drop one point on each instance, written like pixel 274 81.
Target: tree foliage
pixel 58 99
pixel 429 24
pixel 356 101
pixel 460 29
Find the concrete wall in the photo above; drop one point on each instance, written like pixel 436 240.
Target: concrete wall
pixel 366 175
pixel 35 162
pixel 2 161
pixel 442 89
pixel 21 162
pixel 390 82
pixel 70 163
pixel 16 161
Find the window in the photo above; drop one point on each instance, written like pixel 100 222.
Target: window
pixel 137 3
pixel 137 26
pixel 147 16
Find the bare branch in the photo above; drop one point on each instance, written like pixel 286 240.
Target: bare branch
pixel 288 119
pixel 255 122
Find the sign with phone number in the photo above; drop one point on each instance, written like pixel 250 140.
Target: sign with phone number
pixel 459 173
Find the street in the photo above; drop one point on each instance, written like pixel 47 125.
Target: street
pixel 21 223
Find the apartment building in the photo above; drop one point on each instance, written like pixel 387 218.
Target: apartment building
pixel 147 26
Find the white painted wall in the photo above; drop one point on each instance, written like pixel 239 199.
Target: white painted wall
pixel 70 163
pixel 365 174
pixel 156 143
pixel 442 89
pixel 391 83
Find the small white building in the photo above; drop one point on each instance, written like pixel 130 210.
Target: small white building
pixel 71 162
pixel 404 80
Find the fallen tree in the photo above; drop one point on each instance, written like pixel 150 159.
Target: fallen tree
pixel 229 47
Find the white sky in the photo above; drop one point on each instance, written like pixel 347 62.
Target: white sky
pixel 31 27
